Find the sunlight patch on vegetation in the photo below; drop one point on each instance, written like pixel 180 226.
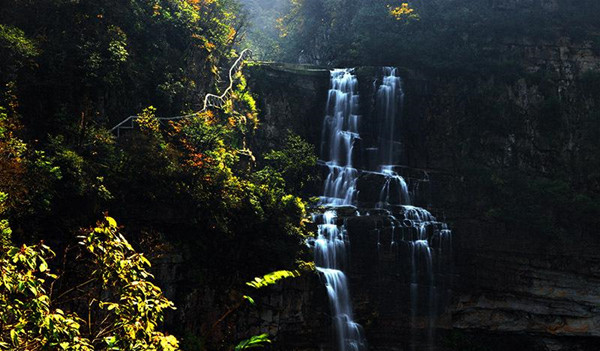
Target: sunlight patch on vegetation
pixel 257 341
pixel 272 278
pixel 403 12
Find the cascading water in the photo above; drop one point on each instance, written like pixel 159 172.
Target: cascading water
pixel 340 130
pixel 423 228
pixel 389 105
pixel 390 101
pixel 330 254
pixel 419 225
pixel 427 242
pixel 392 181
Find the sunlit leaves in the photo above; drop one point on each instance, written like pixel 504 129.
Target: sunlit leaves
pixel 117 47
pixel 403 12
pixel 253 342
pixel 147 120
pixel 134 304
pixel 295 161
pixel 272 278
pixel 249 299
pixel 15 39
pixel 24 171
pixel 27 322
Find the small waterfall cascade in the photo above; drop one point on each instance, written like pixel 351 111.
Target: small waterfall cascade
pixel 382 195
pixel 429 242
pixel 389 105
pixel 392 181
pixel 330 257
pixel 389 112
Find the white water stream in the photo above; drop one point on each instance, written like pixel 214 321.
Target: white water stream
pixel 426 238
pixel 340 129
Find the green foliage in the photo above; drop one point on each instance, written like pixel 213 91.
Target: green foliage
pixel 15 40
pixel 27 320
pixel 257 341
pixel 250 299
pixel 194 181
pixel 26 174
pixel 5 231
pixel 296 162
pixel 133 304
pixel 272 278
pixel 103 60
pixel 129 309
pixel 147 120
pixel 206 176
pixel 11 146
pixel 17 51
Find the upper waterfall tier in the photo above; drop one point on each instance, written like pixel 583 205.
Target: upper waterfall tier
pixel 340 130
pixel 341 139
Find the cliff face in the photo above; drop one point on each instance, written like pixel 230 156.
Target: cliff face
pixel 505 287
pixel 290 98
pixel 506 159
pixel 511 281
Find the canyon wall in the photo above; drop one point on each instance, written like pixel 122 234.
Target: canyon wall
pixel 509 282
pixel 515 281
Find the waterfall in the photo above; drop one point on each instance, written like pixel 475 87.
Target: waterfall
pixel 422 275
pixel 340 130
pixel 389 105
pixel 392 180
pixel 330 257
pixel 390 100
pixel 421 227
pixel 428 241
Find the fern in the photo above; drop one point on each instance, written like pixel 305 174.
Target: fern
pixel 272 278
pixel 253 342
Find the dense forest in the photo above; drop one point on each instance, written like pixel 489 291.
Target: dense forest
pixel 70 72
pixel 87 208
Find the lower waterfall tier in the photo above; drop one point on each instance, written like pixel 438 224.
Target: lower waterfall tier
pixel 493 299
pixel 506 292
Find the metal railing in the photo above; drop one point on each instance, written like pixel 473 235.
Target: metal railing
pixel 210 100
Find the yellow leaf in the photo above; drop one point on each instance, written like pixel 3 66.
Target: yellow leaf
pixel 111 222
